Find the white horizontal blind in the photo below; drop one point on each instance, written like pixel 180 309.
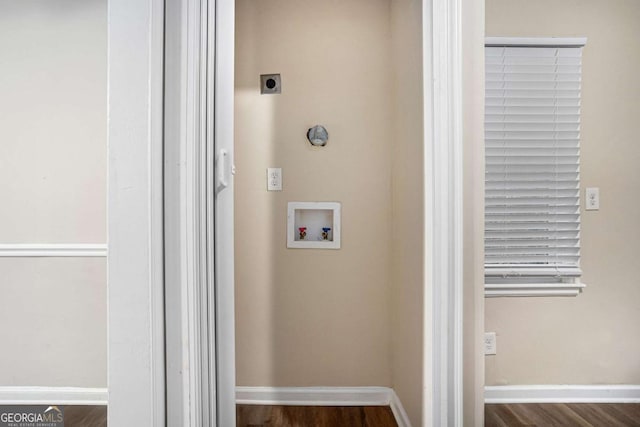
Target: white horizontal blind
pixel 532 136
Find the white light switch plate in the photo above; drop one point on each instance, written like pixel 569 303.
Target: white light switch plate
pixel 490 343
pixel 274 179
pixel 592 199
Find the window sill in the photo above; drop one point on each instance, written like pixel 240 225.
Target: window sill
pixel 533 290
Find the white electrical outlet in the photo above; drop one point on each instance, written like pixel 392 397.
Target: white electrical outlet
pixel 592 199
pixel 490 343
pixel 274 179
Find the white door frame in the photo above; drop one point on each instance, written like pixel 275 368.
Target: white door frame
pixel 136 384
pixel 136 304
pixel 442 60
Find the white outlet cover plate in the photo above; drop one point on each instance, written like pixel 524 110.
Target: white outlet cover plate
pixel 592 199
pixel 490 343
pixel 274 179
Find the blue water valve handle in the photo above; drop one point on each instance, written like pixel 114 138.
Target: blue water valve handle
pixel 325 233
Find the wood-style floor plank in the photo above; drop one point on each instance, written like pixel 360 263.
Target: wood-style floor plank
pixel 314 416
pixel 85 416
pixel 604 417
pixel 502 416
pixel 379 416
pixel 627 415
pixel 563 414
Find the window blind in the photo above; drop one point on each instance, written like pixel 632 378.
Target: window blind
pixel 532 149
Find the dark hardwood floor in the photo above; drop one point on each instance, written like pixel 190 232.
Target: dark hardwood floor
pixel 563 414
pixel 314 416
pixel 265 416
pixel 85 416
pixel 512 415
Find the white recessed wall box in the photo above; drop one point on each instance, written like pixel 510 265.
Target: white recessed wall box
pixel 313 225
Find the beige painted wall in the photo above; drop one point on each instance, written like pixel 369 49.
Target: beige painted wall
pixel 313 317
pixel 407 254
pixel 53 121
pixel 593 338
pixel 53 322
pixel 53 174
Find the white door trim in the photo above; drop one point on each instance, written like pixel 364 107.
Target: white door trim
pixel 136 377
pixel 442 56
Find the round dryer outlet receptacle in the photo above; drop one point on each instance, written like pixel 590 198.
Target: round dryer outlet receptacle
pixel 270 84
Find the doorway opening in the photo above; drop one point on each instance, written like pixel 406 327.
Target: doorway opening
pixel 311 314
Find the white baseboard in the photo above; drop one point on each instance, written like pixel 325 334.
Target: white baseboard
pixel 398 411
pixel 562 394
pixel 324 396
pixel 53 395
pixel 313 396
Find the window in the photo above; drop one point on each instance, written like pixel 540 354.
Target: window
pixel 532 158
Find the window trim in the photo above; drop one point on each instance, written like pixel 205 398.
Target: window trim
pixel 493 290
pixel 534 288
pixel 535 41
